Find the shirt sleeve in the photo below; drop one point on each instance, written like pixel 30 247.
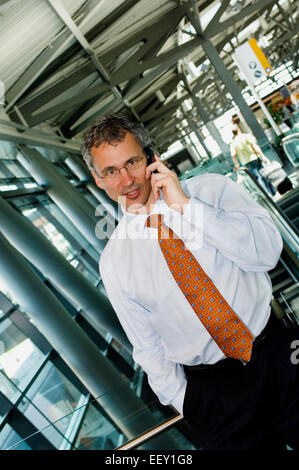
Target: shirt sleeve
pixel 167 379
pixel 234 223
pixel 251 139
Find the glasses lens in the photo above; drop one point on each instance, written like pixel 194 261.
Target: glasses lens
pixel 131 166
pixel 134 163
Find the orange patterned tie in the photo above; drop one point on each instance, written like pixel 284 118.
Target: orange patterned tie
pixel 224 326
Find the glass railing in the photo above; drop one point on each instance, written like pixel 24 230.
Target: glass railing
pixel 96 426
pixel 210 166
pixel 290 145
pixel 289 299
pixel 286 227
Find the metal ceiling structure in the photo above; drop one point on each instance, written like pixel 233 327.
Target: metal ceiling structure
pixel 66 62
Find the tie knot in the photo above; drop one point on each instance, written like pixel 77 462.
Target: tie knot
pixel 157 221
pixel 154 220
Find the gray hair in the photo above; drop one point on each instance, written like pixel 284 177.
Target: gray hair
pixel 111 128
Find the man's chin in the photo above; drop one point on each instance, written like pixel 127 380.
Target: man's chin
pixel 136 208
pixel 138 205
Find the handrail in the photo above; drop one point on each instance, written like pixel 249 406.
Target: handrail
pixel 149 434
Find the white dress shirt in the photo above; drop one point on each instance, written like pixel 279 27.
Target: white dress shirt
pixel 236 243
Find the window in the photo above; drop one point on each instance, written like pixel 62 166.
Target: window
pixel 60 242
pixel 9 437
pixel 51 399
pixel 19 360
pixel 96 432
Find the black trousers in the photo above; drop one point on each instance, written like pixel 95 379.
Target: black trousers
pixel 230 406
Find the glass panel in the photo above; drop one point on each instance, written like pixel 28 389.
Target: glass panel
pixel 59 241
pixel 19 359
pixel 9 438
pixel 6 302
pixel 286 230
pixel 91 426
pixel 96 432
pixel 7 187
pixel 63 220
pixel 8 388
pixel 9 184
pixel 2 313
pixel 16 168
pixel 290 299
pixel 2 416
pixel 52 398
pixel 291 148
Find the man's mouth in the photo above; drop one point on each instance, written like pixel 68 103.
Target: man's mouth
pixel 133 194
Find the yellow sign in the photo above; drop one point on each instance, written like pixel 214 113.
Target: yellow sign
pixel 260 55
pixel 252 61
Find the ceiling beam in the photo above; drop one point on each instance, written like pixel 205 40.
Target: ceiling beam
pixel 104 74
pixel 18 134
pixel 216 27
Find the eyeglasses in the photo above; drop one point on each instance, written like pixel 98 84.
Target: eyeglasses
pixel 112 174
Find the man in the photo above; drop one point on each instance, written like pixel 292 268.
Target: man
pixel 228 243
pixel 244 147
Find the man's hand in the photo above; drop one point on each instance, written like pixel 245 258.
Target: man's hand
pixel 236 167
pixel 168 182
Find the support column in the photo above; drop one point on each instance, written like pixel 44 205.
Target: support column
pixel 210 125
pixel 206 119
pixel 68 199
pixel 98 375
pixel 34 246
pixel 200 138
pixel 197 132
pixel 234 90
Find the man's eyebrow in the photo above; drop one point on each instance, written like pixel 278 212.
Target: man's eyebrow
pixel 109 168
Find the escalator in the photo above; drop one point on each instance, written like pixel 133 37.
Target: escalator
pixel 285 275
pixel 289 203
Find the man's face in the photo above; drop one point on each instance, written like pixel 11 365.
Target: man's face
pixel 129 187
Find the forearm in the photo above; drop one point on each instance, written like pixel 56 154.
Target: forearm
pixel 235 160
pixel 166 379
pixel 238 227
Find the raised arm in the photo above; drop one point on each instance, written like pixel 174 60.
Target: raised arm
pixel 233 222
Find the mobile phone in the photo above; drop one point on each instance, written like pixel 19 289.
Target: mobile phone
pixel 150 156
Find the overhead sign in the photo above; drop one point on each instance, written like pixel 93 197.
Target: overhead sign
pixel 252 61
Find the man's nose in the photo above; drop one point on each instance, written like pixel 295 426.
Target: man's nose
pixel 126 178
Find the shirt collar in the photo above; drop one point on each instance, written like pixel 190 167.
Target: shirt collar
pixel 132 226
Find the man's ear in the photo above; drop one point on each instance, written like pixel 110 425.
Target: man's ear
pixel 97 180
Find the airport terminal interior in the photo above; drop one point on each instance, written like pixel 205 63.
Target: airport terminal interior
pixel 67 377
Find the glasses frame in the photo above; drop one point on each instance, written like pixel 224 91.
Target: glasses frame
pixel 129 170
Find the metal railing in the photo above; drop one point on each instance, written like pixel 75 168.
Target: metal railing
pixel 137 441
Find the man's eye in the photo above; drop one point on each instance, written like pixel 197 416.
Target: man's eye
pixel 110 172
pixel 132 162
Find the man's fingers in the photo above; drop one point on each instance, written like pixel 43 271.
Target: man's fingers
pixel 159 181
pixel 157 165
